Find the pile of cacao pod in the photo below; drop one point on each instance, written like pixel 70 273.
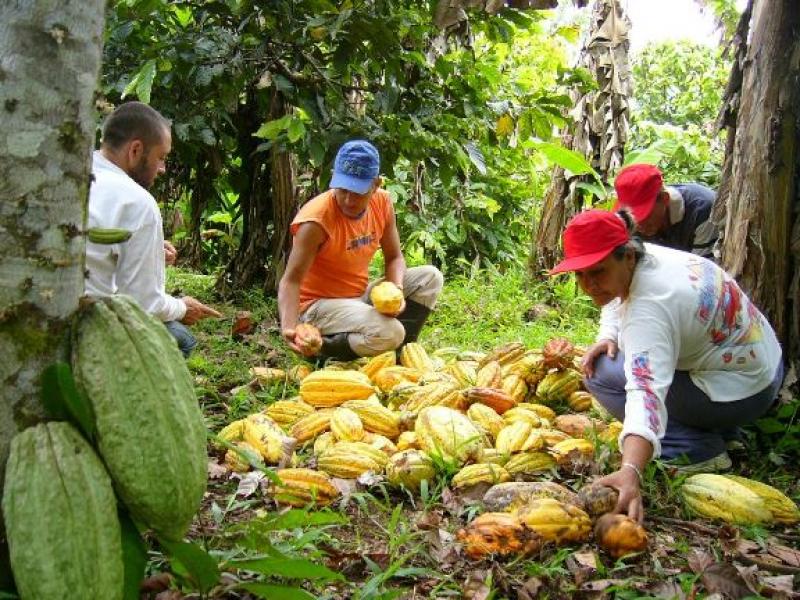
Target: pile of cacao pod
pixel 148 444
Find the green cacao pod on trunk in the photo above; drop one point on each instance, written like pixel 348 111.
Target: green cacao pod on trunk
pixel 149 426
pixel 61 518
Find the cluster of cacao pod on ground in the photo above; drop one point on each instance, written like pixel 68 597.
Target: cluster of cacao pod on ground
pixel 148 444
pixel 511 418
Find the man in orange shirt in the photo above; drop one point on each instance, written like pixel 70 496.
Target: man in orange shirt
pixel 325 283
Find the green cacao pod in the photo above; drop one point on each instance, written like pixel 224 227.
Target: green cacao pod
pixel 61 518
pixel 149 427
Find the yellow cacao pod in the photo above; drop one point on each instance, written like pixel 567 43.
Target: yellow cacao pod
pixel 572 450
pixel 346 425
pixel 517 437
pixel 557 386
pixel 310 426
pixel 464 373
pixel 549 437
pixel 300 487
pixel 556 521
pixel 505 354
pixel 239 460
pixel 267 375
pixel 407 441
pixel 299 372
pixel 480 473
pixel 408 468
pixel 530 367
pixel 515 386
pixel 267 437
pixel 435 394
pixel 386 297
pixel 389 378
pixel 529 463
pixel 376 417
pixel 493 456
pixel 331 388
pixel 288 412
pixel 718 497
pixel 323 442
pixel 379 362
pixel 518 414
pixel 349 460
pixel 783 509
pixel 611 433
pixel 232 432
pixel 579 401
pixel 544 412
pixel 380 442
pixel 490 375
pixel 447 433
pixel 486 418
pixel 414 356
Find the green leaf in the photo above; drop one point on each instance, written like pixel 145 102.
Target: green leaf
pixel 183 15
pixel 294 568
pixel 770 425
pixel 296 130
pixel 596 190
pixel 277 592
pixel 567 159
pixel 142 82
pixel 272 129
pixel 476 157
pixel 200 566
pixel 62 400
pixel 134 556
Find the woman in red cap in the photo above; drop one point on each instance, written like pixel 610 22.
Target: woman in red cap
pixel 682 355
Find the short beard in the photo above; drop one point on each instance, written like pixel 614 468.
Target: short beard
pixel 138 174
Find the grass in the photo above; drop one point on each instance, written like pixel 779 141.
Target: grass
pixel 373 539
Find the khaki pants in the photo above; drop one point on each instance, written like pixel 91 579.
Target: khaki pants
pixel 370 331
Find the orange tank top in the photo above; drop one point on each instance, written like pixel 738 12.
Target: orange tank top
pixel 341 267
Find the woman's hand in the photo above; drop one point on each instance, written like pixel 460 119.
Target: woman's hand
pixel 608 347
pixel 626 482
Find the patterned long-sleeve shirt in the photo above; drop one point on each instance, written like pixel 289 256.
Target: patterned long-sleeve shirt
pixel 685 313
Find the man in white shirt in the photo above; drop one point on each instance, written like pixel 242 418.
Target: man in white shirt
pixel 136 142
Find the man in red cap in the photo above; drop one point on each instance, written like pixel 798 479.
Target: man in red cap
pixel 677 216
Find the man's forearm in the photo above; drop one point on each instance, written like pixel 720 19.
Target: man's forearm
pixel 288 304
pixel 395 271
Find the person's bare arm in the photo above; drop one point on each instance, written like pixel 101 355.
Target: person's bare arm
pixel 196 310
pixel 636 453
pixel 307 241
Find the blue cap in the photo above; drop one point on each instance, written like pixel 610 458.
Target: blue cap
pixel 356 166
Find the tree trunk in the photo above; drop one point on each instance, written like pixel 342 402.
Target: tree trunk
pixel 47 131
pixel 758 203
pixel 283 210
pixel 599 130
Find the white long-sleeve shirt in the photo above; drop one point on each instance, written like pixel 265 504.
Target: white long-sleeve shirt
pixel 135 267
pixel 685 313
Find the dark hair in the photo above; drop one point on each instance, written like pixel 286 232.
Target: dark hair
pixel 635 243
pixel 134 121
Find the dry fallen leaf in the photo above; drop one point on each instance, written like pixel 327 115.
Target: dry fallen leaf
pixel 699 560
pixel 530 589
pixel 474 586
pixel 723 578
pixel 669 590
pixel 248 483
pixel 582 565
pixel 216 470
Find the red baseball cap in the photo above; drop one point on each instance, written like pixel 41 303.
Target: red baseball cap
pixel 637 189
pixel 589 237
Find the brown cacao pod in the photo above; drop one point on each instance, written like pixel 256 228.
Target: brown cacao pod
pixel 558 353
pixel 494 398
pixel 598 499
pixel 619 535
